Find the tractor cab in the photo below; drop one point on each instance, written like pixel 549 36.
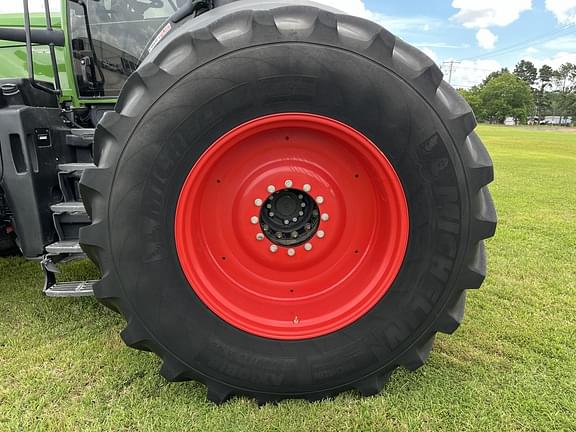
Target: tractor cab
pixel 82 50
pixel 108 39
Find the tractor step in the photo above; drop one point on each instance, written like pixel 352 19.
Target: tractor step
pixel 68 207
pixel 83 138
pixel 64 247
pixel 71 289
pixel 71 167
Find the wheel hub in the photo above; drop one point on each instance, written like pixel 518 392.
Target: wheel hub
pixel 289 217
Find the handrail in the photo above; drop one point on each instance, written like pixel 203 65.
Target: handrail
pixel 57 90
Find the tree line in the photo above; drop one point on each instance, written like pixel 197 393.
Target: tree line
pixel 527 94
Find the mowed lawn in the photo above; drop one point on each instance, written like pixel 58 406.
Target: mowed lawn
pixel 510 367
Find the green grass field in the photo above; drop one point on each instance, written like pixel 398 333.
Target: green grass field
pixel 510 367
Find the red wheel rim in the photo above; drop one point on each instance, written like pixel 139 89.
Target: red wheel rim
pixel 305 291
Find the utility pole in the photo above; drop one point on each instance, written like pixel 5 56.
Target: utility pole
pixel 451 64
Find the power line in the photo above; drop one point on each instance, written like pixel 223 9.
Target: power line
pixel 526 43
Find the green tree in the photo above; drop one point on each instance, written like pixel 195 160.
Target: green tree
pixel 565 83
pixel 506 96
pixel 527 72
pixel 544 83
pixel 495 75
pixel 474 97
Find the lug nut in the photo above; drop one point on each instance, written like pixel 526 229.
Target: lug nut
pixel 259 236
pixel 271 214
pixel 307 188
pixel 308 227
pixel 286 222
pixel 254 220
pixel 294 219
pixel 273 248
pixel 295 234
pixel 258 202
pixel 268 206
pixel 301 213
pixel 308 246
pixel 325 217
pixel 291 252
pixel 321 234
pixel 288 183
pixel 320 200
pixel 265 227
pixel 271 189
pixel 279 235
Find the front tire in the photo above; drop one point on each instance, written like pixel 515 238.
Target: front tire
pixel 166 273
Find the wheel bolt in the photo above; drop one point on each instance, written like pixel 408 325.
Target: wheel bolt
pixel 291 252
pixel 307 188
pixel 320 200
pixel 254 220
pixel 325 217
pixel 279 235
pixel 265 227
pixel 286 222
pixel 308 246
pixel 271 189
pixel 288 183
pixel 268 206
pixel 295 234
pixel 321 234
pixel 259 236
pixel 273 248
pixel 301 213
pixel 271 214
pixel 308 227
pixel 294 219
pixel 258 202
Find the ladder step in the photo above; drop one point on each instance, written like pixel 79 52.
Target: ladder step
pixel 80 138
pixel 71 289
pixel 64 247
pixel 71 167
pixel 68 207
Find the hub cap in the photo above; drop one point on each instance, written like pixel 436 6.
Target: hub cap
pixel 290 217
pixel 291 226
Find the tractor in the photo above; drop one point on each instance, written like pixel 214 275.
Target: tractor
pixel 284 201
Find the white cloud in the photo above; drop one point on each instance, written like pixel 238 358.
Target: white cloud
pixel 15 6
pixel 486 39
pixel 397 25
pixel 490 13
pixel 470 73
pixel 564 10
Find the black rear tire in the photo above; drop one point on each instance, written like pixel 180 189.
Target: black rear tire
pixel 211 75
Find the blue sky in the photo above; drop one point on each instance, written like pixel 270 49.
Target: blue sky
pixel 484 35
